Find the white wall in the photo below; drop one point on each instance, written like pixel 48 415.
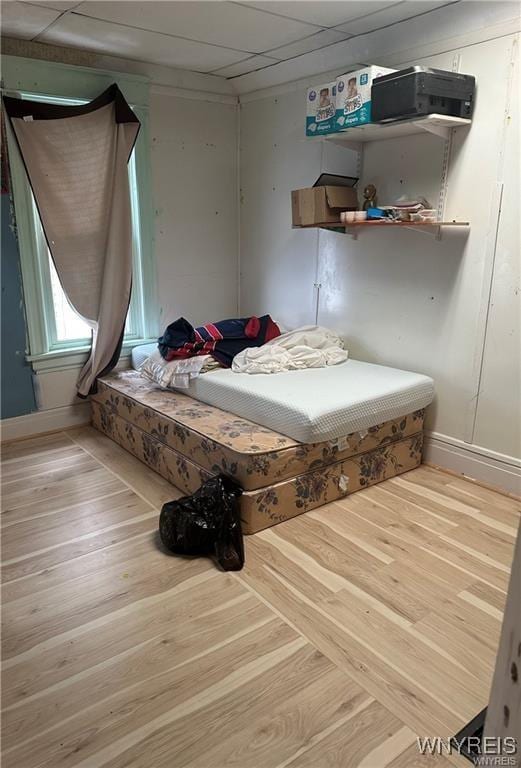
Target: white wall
pixel 194 177
pixel 402 298
pixel 277 264
pixel 499 398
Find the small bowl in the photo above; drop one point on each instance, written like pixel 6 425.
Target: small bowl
pixel 350 217
pixel 360 215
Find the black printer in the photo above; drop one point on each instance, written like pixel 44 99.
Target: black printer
pixel 419 91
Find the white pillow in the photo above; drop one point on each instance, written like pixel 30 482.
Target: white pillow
pixel 176 374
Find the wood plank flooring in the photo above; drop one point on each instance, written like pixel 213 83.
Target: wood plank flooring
pixel 351 631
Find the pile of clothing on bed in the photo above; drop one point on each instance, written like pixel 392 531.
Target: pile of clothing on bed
pixel 252 345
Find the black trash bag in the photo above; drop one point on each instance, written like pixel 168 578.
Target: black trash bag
pixel 206 523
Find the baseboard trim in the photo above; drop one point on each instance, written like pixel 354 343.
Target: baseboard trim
pixel 41 422
pixel 493 469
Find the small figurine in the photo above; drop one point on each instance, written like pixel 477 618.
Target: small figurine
pixel 369 197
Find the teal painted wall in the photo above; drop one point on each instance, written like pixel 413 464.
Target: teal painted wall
pixel 17 392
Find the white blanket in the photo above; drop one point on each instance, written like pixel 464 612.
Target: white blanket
pixel 311 346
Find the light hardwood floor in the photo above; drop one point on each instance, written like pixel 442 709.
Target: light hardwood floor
pixel 351 630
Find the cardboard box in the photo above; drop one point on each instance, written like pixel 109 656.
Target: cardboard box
pixel 353 96
pixel 322 203
pixel 321 109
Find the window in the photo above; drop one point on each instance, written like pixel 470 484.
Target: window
pixel 54 327
pixel 69 326
pixel 65 327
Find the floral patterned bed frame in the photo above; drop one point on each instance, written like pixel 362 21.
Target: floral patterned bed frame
pixel 187 441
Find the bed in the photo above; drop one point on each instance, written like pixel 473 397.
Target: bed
pixel 186 437
pixel 317 404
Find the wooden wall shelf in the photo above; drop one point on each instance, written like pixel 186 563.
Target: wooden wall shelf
pixel 379 224
pixel 355 138
pixel 354 228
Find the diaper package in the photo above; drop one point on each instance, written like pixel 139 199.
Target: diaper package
pixel 353 96
pixel 320 109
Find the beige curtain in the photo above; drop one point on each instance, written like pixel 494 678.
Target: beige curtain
pixel 76 161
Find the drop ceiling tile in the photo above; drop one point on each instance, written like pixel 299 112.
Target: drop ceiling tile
pixel 221 23
pixel 251 64
pixel 391 15
pixel 25 21
pixel 311 43
pixel 328 13
pixel 78 31
pixel 58 5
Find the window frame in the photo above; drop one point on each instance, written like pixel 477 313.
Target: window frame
pixel 46 80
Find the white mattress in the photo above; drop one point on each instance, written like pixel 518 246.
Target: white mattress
pixel 318 403
pixel 139 354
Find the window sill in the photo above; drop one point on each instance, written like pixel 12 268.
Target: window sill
pixel 62 359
